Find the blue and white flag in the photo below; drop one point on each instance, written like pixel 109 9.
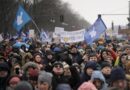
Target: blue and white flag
pixel 21 19
pixel 94 31
pixel 44 36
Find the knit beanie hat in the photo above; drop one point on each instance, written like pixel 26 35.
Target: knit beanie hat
pixel 45 77
pixel 90 64
pixel 23 85
pixel 105 64
pixel 117 74
pixel 4 67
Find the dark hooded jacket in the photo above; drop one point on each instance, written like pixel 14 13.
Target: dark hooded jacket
pixel 5 67
pixel 84 76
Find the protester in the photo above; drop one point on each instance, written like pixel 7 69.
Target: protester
pixel 98 80
pixel 89 68
pixel 65 66
pixel 87 86
pixel 118 79
pixel 44 81
pixel 12 82
pixel 23 85
pixel 4 74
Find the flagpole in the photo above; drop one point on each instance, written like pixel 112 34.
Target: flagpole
pixel 36 25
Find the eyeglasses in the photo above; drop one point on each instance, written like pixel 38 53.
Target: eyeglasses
pixel 58 66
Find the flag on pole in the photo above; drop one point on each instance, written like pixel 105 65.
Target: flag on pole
pixel 94 31
pixel 44 36
pixel 21 19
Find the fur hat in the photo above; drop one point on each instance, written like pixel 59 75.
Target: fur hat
pixel 23 85
pixel 117 74
pixel 29 64
pixel 45 77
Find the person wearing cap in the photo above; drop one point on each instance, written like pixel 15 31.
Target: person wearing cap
pixel 118 79
pixel 58 74
pixel 59 77
pixel 106 71
pixel 4 74
pixel 89 68
pixel 44 81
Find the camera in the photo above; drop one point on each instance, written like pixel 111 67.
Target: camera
pixel 17 71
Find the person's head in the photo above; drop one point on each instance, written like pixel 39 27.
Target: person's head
pixel 127 49
pixel 93 57
pixel 63 86
pixel 87 86
pixel 49 55
pixel 106 68
pixel 23 47
pixel 98 83
pixel 89 67
pixel 44 81
pixel 123 58
pixel 104 54
pixel 23 85
pixel 30 72
pixel 33 76
pixel 38 58
pixel 2 59
pixel 58 68
pixel 118 78
pixel 4 70
pixel 98 79
pixel 85 57
pixel 66 69
pixel 13 81
pixel 73 49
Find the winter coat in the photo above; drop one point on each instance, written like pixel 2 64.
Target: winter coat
pixel 99 75
pixel 3 80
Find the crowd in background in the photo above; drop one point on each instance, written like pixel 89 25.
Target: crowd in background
pixel 104 65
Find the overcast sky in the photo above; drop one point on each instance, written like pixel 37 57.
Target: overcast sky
pixel 89 9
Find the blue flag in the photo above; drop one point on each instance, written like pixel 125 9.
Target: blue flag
pixel 44 36
pixel 21 19
pixel 94 31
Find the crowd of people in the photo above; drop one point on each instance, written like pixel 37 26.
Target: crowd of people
pixel 104 65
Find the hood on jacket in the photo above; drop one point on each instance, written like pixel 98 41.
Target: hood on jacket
pixel 87 86
pixel 29 64
pixel 98 75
